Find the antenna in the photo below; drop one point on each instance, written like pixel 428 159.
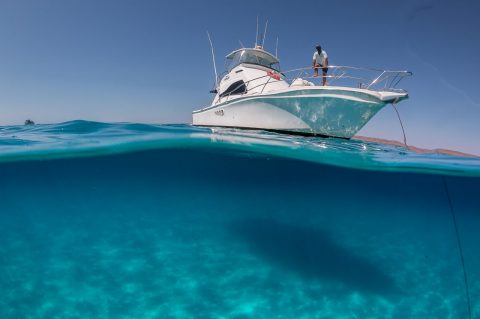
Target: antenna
pixel 276 49
pixel 241 44
pixel 264 33
pixel 256 34
pixel 213 58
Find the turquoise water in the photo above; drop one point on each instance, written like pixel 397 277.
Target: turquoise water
pixel 105 220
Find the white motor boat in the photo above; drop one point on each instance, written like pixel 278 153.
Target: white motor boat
pixel 255 94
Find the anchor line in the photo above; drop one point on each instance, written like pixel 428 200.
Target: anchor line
pixel 460 250
pixel 401 124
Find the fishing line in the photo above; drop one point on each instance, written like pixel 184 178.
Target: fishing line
pixel 452 212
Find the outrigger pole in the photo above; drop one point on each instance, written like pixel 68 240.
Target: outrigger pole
pixel 213 58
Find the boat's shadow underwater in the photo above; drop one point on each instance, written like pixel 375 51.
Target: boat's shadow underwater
pixel 313 254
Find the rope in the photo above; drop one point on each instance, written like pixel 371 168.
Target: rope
pixel 452 212
pixel 401 124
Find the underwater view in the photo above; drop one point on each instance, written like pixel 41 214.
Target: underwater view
pixel 102 220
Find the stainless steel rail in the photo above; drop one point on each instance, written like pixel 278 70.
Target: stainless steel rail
pixel 347 76
pixel 365 78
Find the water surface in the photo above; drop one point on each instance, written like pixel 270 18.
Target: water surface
pixel 103 220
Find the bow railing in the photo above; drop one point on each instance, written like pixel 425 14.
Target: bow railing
pixel 364 78
pixel 345 76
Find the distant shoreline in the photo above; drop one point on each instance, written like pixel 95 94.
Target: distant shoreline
pixel 412 148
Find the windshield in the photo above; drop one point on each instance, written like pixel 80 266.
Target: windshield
pixel 254 57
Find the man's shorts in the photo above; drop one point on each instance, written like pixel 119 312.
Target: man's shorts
pixel 317 66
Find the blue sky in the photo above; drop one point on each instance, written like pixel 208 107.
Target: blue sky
pixel 149 61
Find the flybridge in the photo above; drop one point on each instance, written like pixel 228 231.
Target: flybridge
pixel 253 56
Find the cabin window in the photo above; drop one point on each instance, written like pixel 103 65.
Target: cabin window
pixel 238 87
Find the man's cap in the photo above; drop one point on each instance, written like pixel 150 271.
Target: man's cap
pixel 318 47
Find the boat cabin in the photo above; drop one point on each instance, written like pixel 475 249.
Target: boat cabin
pixel 249 71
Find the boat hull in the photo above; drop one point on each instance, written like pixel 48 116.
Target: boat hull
pixel 329 112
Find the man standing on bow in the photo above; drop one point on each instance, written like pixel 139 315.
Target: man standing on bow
pixel 320 60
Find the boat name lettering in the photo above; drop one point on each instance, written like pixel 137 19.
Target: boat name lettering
pixel 219 112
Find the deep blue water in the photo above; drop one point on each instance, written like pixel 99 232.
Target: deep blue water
pixel 171 221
